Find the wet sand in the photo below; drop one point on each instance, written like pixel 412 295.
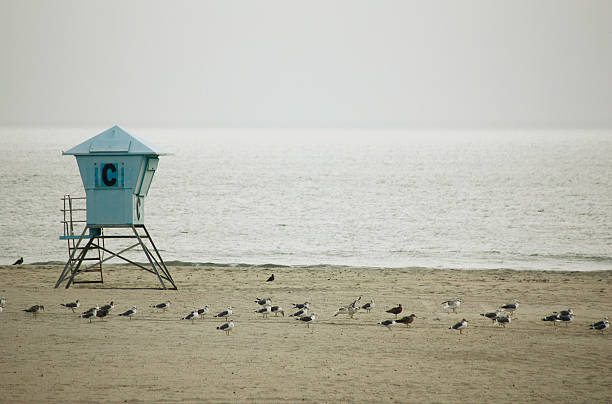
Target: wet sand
pixel 156 357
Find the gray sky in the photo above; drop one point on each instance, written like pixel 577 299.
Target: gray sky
pixel 540 63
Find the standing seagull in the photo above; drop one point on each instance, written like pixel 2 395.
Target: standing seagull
pixel 225 313
pixel 276 310
pixel 227 327
pixel 368 306
pixel 552 318
pixel 301 305
pixel 163 306
pixel 388 324
pixel 108 307
pixel 264 311
pixel 395 310
pixel 263 302
pixel 601 325
pixel 129 313
pixel 408 320
pixel 451 304
pixel 502 320
pixel 71 305
pixel 2 302
pixel 300 313
pixel 512 307
pixel 191 316
pixel 19 261
pixel 307 319
pixel 203 311
pixel 89 314
pixel 101 313
pixel 35 309
pixel 459 326
pixel 492 315
pixel 271 278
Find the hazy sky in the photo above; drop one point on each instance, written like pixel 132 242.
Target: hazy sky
pixel 312 63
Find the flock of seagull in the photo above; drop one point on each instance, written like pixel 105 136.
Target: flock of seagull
pixel 301 311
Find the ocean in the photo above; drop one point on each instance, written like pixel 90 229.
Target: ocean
pixel 513 199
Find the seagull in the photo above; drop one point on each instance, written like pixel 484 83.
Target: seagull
pixel 451 304
pixel 511 306
pixel 368 306
pixel 568 312
pixel 191 316
pixel 225 313
pixel 164 306
pixel 502 320
pixel 407 319
pixel 601 325
pixel 276 310
pixel 566 319
pixel 19 261
pixel 492 315
pixel 108 307
pixel 90 314
pixel 264 311
pixel 92 309
pixel 388 324
pixel 129 313
pixel 2 302
pixel 203 311
pixel 307 319
pixel 395 310
pixel 1 308
pixel 35 309
pixel 271 278
pixel 71 305
pixel 350 310
pixel 227 327
pixel 301 305
pixel 102 313
pixel 263 302
pixel 300 313
pixel 552 318
pixel 459 326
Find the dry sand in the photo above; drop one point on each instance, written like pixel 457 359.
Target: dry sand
pixel 156 357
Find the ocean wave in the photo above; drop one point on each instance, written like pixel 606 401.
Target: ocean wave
pixel 573 257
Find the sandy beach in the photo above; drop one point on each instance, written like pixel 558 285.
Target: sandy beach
pixel 157 357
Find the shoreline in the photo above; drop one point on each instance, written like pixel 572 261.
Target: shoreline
pixel 157 357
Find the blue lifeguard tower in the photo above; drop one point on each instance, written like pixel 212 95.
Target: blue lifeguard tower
pixel 117 170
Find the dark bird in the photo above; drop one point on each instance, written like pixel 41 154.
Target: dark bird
pixel 101 313
pixel 108 307
pixel 35 309
pixel 395 310
pixel 566 319
pixel 300 313
pixel 227 327
pixel 71 305
pixel 203 310
pixel 271 278
pixel 407 319
pixel 459 326
pixel 18 262
pixel 601 325
pixel 568 312
pixel 225 313
pixel 129 313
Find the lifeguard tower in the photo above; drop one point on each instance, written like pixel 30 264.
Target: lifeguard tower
pixel 117 170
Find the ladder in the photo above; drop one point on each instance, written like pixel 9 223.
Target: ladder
pixel 74 213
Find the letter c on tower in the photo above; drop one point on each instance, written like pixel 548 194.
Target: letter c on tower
pixel 109 179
